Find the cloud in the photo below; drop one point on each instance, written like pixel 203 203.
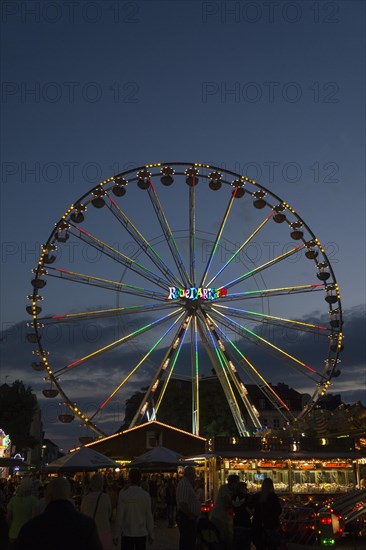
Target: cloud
pixel 90 383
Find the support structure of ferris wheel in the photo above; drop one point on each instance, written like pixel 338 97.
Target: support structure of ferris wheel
pixel 185 303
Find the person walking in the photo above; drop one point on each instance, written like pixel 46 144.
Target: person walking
pixel 97 505
pixel 171 501
pixel 222 511
pixel 134 520
pixel 266 518
pixel 153 492
pixel 188 509
pixel 60 526
pixel 242 525
pixel 22 507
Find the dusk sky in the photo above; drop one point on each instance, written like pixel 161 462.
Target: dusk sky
pixel 274 91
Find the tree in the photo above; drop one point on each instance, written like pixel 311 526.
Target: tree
pixel 176 408
pixel 17 407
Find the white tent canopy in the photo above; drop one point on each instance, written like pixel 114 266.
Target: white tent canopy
pixel 84 459
pixel 158 457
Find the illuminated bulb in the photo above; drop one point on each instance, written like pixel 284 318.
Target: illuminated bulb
pixel 192 176
pixel 221 345
pixel 245 391
pixel 144 179
pixel 167 175
pixel 232 366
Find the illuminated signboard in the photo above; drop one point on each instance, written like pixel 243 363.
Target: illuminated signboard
pixel 195 293
pixel 4 442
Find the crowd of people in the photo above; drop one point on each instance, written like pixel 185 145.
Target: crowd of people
pixel 120 509
pixel 103 513
pixel 236 521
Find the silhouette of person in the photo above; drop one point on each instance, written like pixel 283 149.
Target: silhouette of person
pixel 60 526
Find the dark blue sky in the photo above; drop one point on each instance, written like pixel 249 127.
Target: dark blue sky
pixel 273 90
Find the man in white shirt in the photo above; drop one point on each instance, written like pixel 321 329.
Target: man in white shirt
pixel 188 509
pixel 134 519
pixel 222 512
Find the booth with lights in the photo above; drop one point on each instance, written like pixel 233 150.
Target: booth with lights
pixel 307 467
pixel 295 476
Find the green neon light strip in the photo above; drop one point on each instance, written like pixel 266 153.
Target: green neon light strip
pixel 157 378
pixel 240 249
pixel 132 225
pixel 83 278
pixel 125 260
pixel 237 382
pixel 192 232
pixel 223 363
pixel 299 288
pixel 252 367
pixel 263 266
pixel 138 237
pixel 255 313
pixel 172 366
pixel 233 326
pixel 267 342
pixel 138 365
pixel 115 343
pixel 112 312
pixel 177 257
pixel 218 237
pixel 197 377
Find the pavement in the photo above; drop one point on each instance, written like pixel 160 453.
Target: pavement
pixel 168 539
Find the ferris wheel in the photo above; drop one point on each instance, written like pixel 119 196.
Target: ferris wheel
pixel 182 269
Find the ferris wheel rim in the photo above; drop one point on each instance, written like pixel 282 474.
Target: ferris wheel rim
pixel 89 194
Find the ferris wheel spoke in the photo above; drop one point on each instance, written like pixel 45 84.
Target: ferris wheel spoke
pixel 192 234
pixel 114 344
pixel 195 378
pixel 218 363
pixel 263 266
pixel 132 372
pixel 253 413
pixel 252 372
pixel 248 334
pixel 174 359
pixel 217 240
pixel 103 313
pixel 157 379
pixel 242 246
pixel 299 289
pixel 142 242
pixel 107 284
pixel 276 321
pixel 173 247
pixel 117 256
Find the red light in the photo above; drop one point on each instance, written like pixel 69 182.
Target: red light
pixel 206 507
pixel 326 521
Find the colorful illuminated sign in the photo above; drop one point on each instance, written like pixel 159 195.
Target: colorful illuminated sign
pixel 195 293
pixel 4 440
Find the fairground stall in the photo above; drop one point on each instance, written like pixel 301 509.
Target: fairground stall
pixel 315 466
